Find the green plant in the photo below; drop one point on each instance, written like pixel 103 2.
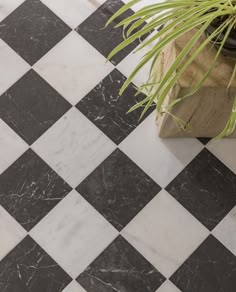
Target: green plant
pixel 177 17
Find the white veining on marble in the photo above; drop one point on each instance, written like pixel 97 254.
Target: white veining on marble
pixel 11 233
pixel 8 6
pixel 161 159
pixel 165 233
pixel 225 231
pixel 73 147
pixel 12 67
pixel 74 287
pixel 11 146
pixel 167 287
pixel 73 12
pixel 74 233
pixel 73 67
pixel 223 150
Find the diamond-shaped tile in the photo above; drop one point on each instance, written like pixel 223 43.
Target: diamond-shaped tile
pixel 168 287
pixel 161 159
pixel 29 189
pixel 31 106
pixel 74 287
pixel 73 67
pixel 12 67
pixel 11 146
pixel 204 141
pixel 165 233
pixel 74 234
pixel 207 188
pixel 11 233
pixel 73 147
pixel 120 268
pixel 106 39
pixel 28 268
pixel 32 30
pixel 108 110
pixel 118 189
pixel 73 12
pixel 224 151
pixel 211 268
pixel 225 231
pixel 6 7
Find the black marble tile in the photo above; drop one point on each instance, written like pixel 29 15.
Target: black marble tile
pixel 32 30
pixel 31 106
pixel 207 188
pixel 108 110
pixel 28 268
pixel 118 189
pixel 211 268
pixel 120 268
pixel 106 39
pixel 204 141
pixel 29 189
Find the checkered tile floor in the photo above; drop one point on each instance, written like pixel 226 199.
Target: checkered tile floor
pixel 91 200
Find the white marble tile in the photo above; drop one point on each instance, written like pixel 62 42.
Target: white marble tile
pixel 168 287
pixel 11 146
pixel 132 60
pixel 161 159
pixel 73 67
pixel 74 287
pixel 165 233
pixel 226 231
pixel 74 234
pixel 11 233
pixel 223 150
pixel 73 12
pixel 73 147
pixel 142 3
pixel 12 67
pixel 7 6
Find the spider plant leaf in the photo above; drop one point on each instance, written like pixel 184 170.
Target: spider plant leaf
pixel 180 58
pixel 159 46
pixel 188 14
pixel 198 86
pixel 122 10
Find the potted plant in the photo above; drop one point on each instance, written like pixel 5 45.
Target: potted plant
pixel 192 79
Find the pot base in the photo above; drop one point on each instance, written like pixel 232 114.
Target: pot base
pixel 207 111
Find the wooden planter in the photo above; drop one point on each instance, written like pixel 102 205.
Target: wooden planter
pixel 207 111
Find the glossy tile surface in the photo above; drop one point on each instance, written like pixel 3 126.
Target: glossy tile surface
pixel 165 233
pixel 91 199
pixel 161 159
pixel 11 146
pixel 107 38
pixel 29 189
pixel 12 68
pixel 70 230
pixel 11 233
pixel 28 268
pixel 74 147
pixel 109 271
pixel 208 184
pixel 73 12
pixel 107 109
pixel 118 189
pixel 210 268
pixel 31 106
pixel 73 68
pixel 32 30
